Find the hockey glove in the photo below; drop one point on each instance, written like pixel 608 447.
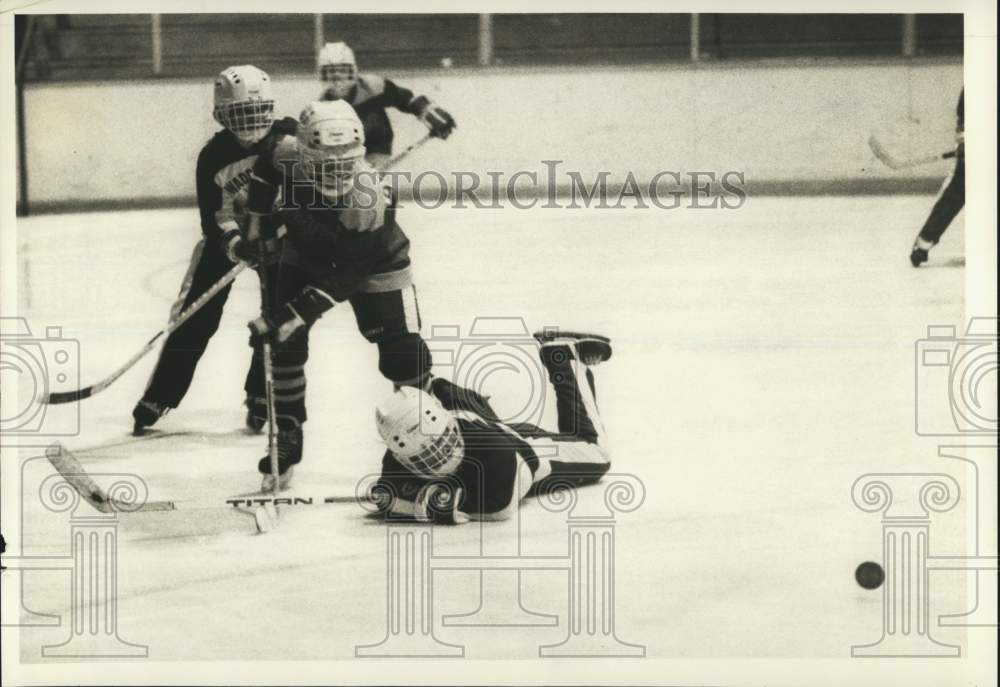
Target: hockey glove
pixel 238 249
pixel 436 119
pixel 291 318
pixel 438 503
pixel 254 253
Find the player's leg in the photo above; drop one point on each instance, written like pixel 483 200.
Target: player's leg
pixel 256 402
pixel 183 349
pixel 289 361
pixel 949 202
pixel 576 455
pixel 391 319
pixel 568 358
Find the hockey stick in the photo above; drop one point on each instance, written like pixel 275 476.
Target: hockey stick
pixel 886 158
pixel 412 147
pixel 261 506
pixel 58 397
pixel 266 352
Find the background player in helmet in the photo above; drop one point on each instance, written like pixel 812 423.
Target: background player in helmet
pixel 342 244
pixel 244 106
pixel 452 461
pixel 370 95
pixel 950 200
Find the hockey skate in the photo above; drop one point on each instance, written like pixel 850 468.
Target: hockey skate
pixel 289 454
pixel 918 256
pixel 920 251
pixel 590 349
pixel 256 414
pixel 146 413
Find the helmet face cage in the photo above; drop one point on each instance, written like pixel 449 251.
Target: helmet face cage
pixel 338 72
pixel 333 174
pixel 249 120
pixel 339 77
pixel 441 456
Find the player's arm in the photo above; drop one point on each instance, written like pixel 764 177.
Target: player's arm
pixel 266 178
pixel 248 226
pixel 497 470
pixel 454 397
pixel 402 495
pixel 217 222
pixel 258 238
pixel 291 318
pixel 504 487
pixel 435 118
pixel 209 194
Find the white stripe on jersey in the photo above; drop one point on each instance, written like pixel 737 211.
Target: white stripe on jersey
pixel 234 180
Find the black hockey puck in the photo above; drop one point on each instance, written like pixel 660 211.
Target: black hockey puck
pixel 870 575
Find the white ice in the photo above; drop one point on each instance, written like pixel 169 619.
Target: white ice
pixel 763 360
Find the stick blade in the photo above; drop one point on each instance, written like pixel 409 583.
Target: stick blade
pixel 266 518
pixel 881 153
pixel 68 466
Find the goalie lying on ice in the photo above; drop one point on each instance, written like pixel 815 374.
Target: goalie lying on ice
pixel 451 459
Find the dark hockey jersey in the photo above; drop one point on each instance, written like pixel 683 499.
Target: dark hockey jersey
pixel 495 453
pixel 223 174
pixel 370 97
pixel 354 245
pixel 487 475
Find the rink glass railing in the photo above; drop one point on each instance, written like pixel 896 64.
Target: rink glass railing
pixel 90 46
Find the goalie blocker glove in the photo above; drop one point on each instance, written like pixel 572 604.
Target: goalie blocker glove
pixel 436 119
pixel 291 318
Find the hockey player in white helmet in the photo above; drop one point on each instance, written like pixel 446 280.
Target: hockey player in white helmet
pixel 330 147
pixel 244 106
pixel 338 70
pixel 342 244
pixel 244 103
pixel 451 459
pixel 370 95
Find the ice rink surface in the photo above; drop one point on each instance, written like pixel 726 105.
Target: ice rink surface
pixel 763 360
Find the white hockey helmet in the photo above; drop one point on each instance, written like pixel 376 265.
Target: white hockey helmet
pixel 420 433
pixel 337 68
pixel 244 102
pixel 331 143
